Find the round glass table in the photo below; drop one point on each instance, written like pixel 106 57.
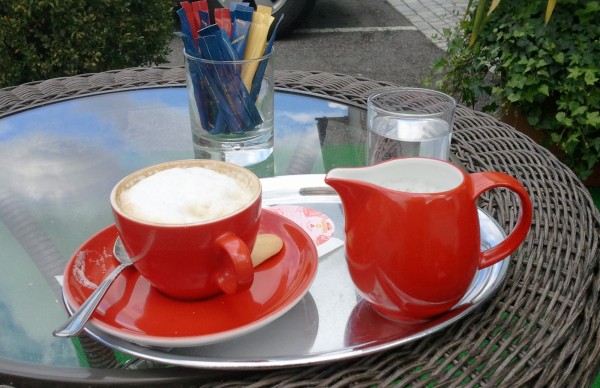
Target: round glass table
pixel 65 142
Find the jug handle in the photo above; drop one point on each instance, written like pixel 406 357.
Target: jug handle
pixel 484 181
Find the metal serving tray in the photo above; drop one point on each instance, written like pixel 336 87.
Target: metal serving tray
pixel 331 322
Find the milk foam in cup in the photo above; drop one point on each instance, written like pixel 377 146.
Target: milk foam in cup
pixel 190 225
pixel 184 195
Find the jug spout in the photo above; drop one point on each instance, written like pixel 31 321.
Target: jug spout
pixel 363 178
pixel 352 185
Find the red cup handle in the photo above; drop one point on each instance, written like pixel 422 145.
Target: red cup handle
pixel 237 273
pixel 484 181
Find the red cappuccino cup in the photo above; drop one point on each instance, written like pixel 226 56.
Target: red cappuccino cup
pixel 189 225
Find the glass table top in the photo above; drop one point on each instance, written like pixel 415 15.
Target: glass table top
pixel 60 161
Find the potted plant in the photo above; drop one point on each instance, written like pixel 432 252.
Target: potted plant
pixel 545 68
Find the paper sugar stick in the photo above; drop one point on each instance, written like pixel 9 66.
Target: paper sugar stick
pixel 256 82
pixel 234 4
pixel 264 9
pixel 189 12
pixel 223 19
pixel 204 14
pixel 186 33
pixel 241 19
pixel 196 14
pixel 255 46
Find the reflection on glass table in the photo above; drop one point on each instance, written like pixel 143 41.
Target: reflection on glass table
pixel 60 161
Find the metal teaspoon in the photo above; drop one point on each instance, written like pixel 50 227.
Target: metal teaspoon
pixel 76 322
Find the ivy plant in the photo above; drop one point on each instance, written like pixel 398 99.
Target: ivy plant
pixel 549 72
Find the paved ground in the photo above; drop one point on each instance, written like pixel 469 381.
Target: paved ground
pixel 390 40
pixel 432 16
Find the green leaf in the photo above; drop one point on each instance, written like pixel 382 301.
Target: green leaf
pixel 559 57
pixel 593 119
pixel 574 73
pixel 517 81
pixel 555 137
pixel 579 111
pixel 590 77
pixel 591 159
pixel 544 90
pixel 513 97
pixel 574 105
pixel 573 138
pixel 533 120
pixel 562 118
pixel 543 73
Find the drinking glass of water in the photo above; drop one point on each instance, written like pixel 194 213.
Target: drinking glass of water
pixel 409 122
